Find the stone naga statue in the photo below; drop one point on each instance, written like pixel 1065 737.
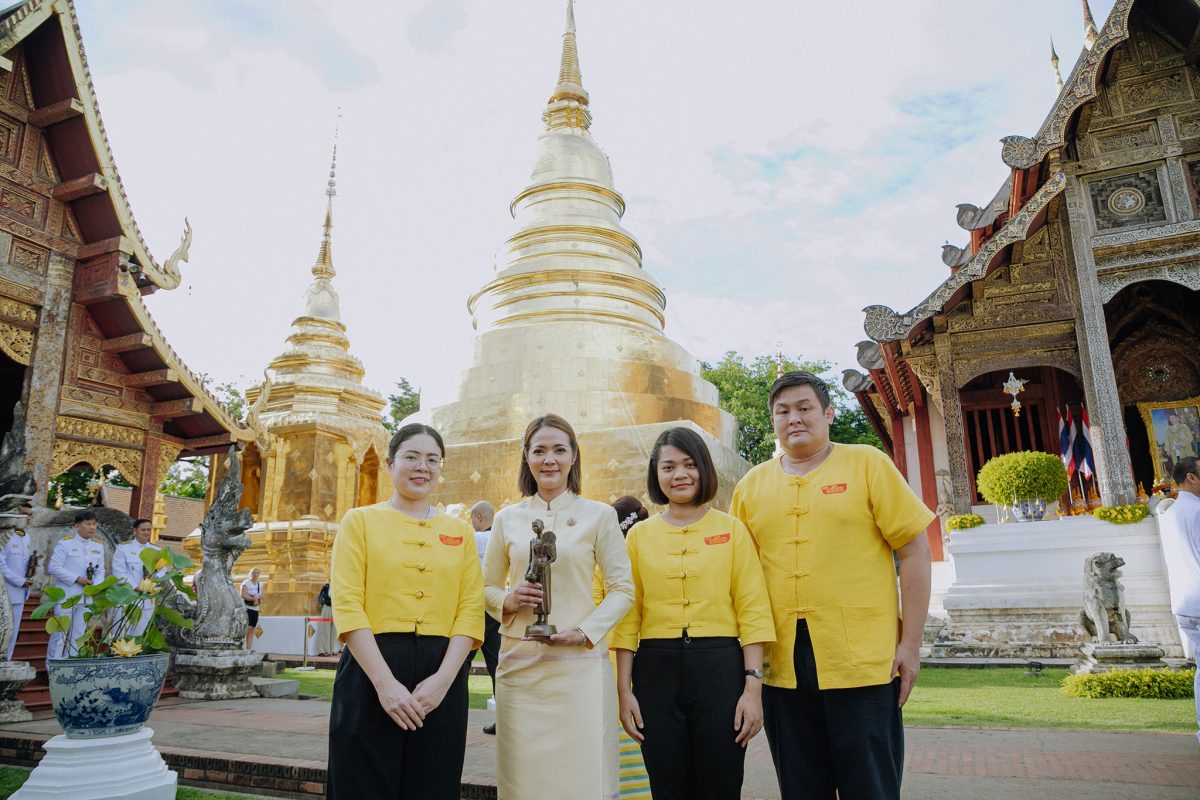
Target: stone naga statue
pixel 16 482
pixel 1104 614
pixel 219 612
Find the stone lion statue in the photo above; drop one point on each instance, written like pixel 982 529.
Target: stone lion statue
pixel 1104 614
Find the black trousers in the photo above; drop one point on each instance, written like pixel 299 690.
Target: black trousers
pixel 370 756
pixel 688 690
pixel 491 647
pixel 834 743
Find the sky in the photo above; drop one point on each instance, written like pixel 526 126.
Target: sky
pixel 784 164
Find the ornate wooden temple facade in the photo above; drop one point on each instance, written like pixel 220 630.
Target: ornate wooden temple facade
pixel 79 351
pixel 1080 276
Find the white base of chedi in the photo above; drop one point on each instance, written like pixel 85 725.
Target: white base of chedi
pixel 1018 588
pixel 112 768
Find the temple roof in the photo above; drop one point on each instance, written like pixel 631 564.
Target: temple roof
pixel 120 267
pixel 1031 155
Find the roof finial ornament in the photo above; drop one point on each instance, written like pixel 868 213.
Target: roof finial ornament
pixel 1090 34
pixel 568 104
pixel 323 268
pixel 1054 64
pixel 778 358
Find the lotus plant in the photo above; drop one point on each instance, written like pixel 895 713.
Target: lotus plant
pixel 114 609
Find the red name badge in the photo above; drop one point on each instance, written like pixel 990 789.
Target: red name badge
pixel 833 488
pixel 720 538
pixel 453 541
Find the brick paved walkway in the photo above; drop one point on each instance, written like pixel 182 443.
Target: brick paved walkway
pixel 279 745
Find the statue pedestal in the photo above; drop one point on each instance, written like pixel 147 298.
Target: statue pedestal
pixel 111 768
pixel 215 674
pixel 1107 656
pixel 13 677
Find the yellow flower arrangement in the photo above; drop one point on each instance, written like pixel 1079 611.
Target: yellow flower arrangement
pixel 960 522
pixel 148 586
pixel 1122 515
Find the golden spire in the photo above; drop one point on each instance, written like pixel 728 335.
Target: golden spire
pixel 1090 34
pixel 323 268
pixel 567 106
pixel 1054 64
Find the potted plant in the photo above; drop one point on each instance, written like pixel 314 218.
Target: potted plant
pixel 1027 481
pixel 109 683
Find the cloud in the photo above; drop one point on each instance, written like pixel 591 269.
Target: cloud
pixel 433 27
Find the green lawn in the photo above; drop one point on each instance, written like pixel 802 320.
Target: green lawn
pixel 1005 698
pixel 319 683
pixel 11 779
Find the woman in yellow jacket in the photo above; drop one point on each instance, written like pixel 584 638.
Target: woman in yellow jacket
pixel 692 693
pixel 408 602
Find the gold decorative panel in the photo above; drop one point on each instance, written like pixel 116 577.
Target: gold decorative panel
pixel 67 454
pixel 16 343
pixel 90 429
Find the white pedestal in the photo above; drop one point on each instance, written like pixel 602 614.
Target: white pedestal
pixel 1018 587
pixel 113 768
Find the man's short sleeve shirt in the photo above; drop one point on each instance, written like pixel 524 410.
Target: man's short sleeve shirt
pixel 825 541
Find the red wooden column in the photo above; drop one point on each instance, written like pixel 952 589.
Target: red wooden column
pixel 899 449
pixel 928 478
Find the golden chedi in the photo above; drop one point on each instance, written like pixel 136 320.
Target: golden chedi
pixel 320 447
pixel 573 325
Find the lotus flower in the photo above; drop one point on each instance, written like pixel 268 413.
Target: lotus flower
pixel 162 563
pixel 126 648
pixel 148 586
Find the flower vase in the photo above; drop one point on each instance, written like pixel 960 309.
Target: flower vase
pixel 97 697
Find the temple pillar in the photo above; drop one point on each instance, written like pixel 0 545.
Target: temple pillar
pixel 46 372
pixel 1114 473
pixel 956 443
pixel 157 458
pixel 928 477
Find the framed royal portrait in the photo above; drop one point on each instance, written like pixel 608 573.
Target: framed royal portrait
pixel 1173 428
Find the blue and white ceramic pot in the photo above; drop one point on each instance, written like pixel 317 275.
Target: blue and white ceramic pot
pixel 95 697
pixel 1029 510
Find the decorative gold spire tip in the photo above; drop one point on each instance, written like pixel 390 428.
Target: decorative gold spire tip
pixel 564 106
pixel 323 268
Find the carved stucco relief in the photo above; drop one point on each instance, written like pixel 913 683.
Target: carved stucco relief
pixel 68 453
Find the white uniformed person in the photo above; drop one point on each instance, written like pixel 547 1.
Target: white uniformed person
pixel 127 566
pixel 68 568
pixel 14 562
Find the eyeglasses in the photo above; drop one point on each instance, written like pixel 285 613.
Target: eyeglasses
pixel 413 460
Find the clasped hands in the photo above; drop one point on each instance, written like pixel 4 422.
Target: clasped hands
pixel 529 595
pixel 409 709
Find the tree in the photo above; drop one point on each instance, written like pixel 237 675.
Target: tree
pixel 744 388
pixel 78 487
pixel 232 399
pixel 408 401
pixel 187 478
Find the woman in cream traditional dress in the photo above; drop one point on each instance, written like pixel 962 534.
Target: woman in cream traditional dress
pixel 556 706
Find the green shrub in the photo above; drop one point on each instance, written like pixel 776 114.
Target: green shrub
pixel 960 522
pixel 1153 684
pixel 1122 515
pixel 1022 476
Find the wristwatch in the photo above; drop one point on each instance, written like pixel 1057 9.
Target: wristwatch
pixel 755 673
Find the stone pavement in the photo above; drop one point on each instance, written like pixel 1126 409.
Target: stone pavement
pixel 278 746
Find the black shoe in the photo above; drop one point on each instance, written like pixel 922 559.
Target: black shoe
pixel 490 730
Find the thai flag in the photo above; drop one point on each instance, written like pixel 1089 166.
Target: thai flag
pixel 1066 436
pixel 1083 448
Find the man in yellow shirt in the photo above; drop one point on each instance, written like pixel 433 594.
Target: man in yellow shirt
pixel 826 519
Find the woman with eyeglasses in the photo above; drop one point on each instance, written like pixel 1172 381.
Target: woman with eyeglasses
pixel 556 708
pixel 408 603
pixel 690 651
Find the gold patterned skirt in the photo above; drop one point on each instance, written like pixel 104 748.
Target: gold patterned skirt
pixel 556 722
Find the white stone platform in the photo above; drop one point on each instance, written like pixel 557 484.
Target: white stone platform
pixel 1018 587
pixel 113 768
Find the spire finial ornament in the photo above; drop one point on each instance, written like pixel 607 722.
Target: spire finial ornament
pixel 1090 34
pixel 323 268
pixel 568 105
pixel 1054 64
